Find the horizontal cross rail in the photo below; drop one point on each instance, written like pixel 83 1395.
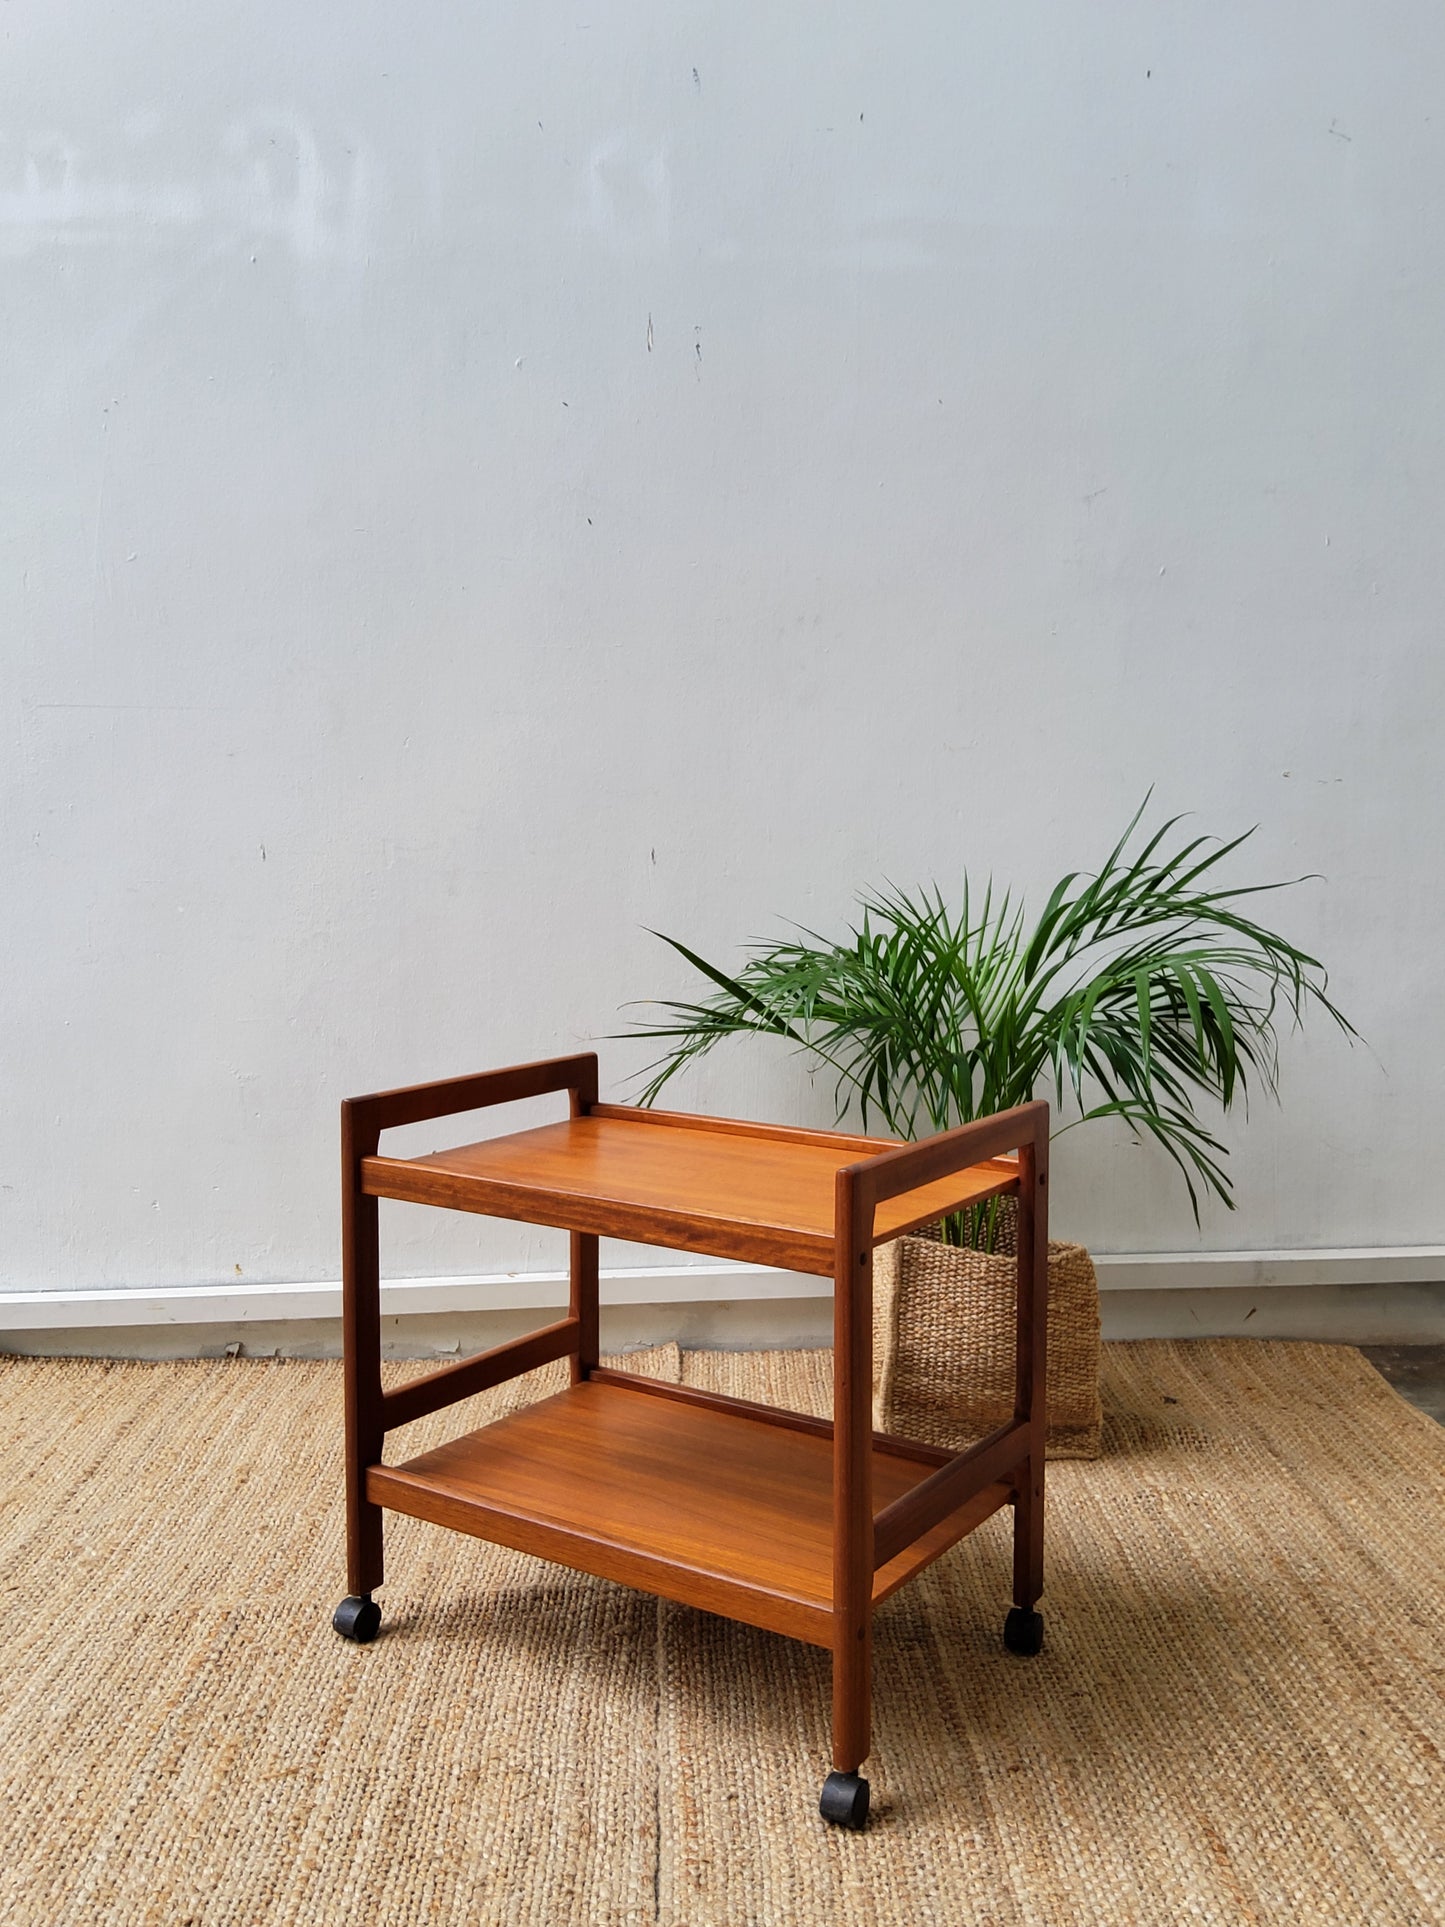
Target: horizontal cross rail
pixel 479 1374
pixel 951 1486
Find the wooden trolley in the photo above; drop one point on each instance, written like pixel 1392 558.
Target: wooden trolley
pixel 798 1524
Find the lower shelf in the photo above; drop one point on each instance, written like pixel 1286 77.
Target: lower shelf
pixel 712 1508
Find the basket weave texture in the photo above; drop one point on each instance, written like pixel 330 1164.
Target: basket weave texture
pixel 943 1341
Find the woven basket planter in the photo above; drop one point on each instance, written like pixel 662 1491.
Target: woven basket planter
pixel 943 1342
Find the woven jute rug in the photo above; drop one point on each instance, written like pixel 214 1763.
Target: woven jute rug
pixel 1236 1716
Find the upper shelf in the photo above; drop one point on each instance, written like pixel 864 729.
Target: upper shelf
pixel 691 1184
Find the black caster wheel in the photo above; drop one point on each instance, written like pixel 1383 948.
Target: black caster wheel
pixel 358 1619
pixel 1023 1631
pixel 845 1801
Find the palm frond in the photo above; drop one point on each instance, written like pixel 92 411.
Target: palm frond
pixel 1142 988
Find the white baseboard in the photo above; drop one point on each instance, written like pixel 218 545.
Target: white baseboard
pixel 1375 1294
pixel 401 1297
pixel 1258 1270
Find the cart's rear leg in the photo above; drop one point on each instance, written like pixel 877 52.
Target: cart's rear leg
pixel 358 1617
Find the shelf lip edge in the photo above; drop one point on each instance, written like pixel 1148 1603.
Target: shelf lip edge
pixel 957 1525
pixel 788 1247
pixel 803 1135
pixel 779 1417
pixel 775 1609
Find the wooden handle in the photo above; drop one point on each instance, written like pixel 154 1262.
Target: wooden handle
pixel 893 1172
pixel 384 1110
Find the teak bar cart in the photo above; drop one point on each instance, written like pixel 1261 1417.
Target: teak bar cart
pixel 798 1524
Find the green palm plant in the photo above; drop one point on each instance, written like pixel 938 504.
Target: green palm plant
pixel 1141 988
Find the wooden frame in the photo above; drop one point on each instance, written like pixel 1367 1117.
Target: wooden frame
pixel 769 1516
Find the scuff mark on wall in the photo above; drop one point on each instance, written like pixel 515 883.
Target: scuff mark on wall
pixel 276 177
pixel 629 193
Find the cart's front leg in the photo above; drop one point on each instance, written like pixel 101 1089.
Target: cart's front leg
pixel 845 1792
pixel 358 1616
pixel 1024 1627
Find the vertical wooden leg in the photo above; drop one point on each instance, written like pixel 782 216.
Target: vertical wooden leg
pixel 361 1323
pixel 582 1095
pixel 852 1691
pixel 1024 1632
pixel 584 1303
pixel 1029 1535
pixel 845 1795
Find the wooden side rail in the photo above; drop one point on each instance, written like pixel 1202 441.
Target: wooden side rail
pixel 861 1543
pixel 416 1103
pixel 951 1486
pixel 371 1412
pixel 911 1166
pixel 477 1374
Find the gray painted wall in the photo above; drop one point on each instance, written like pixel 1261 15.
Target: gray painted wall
pixel 477 485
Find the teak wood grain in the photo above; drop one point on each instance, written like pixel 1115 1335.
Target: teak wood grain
pixel 930 1455
pixel 786 1521
pixel 765 1198
pixel 452 1383
pixel 712 1508
pixel 848 1141
pixel 952 1485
